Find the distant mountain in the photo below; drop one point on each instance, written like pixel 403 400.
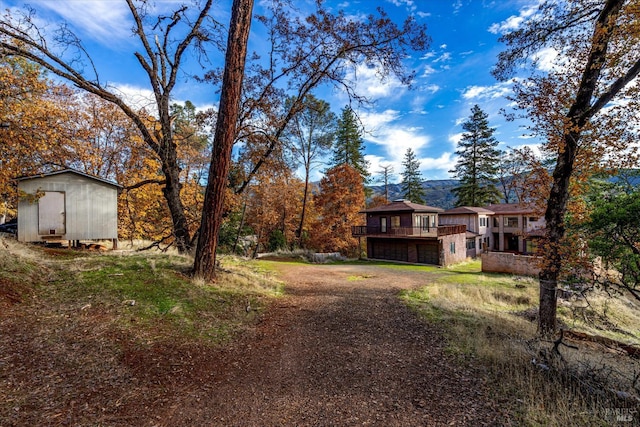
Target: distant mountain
pixel 437 192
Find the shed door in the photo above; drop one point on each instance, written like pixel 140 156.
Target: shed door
pixel 51 213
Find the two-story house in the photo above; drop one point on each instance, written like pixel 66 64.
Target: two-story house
pixel 409 232
pixel 478 222
pixel 515 227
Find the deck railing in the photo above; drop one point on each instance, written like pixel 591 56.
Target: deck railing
pixel 442 230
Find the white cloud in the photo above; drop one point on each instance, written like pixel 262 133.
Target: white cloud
pixel 104 21
pixel 432 88
pixel 546 59
pixel 373 121
pixel 444 164
pixel 367 82
pixel 428 70
pixel 442 58
pixel 513 22
pixel 456 137
pixel 409 4
pixel 498 90
pixel 136 97
pixel 386 130
pixel 396 141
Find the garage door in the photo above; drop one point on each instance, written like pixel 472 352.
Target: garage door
pixel 394 251
pixel 428 253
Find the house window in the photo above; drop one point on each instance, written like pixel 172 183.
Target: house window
pixel 471 244
pixel 425 222
pixel 511 221
pixel 483 221
pixel 495 222
pixel 395 222
pixel 422 221
pixel 383 224
pixel 452 247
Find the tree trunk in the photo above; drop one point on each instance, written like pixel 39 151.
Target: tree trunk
pixel 205 257
pixel 304 207
pixel 171 192
pixel 244 211
pixel 579 114
pixel 554 217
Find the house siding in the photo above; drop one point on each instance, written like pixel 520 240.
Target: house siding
pixel 415 238
pixel 419 251
pixel 459 252
pixel 472 221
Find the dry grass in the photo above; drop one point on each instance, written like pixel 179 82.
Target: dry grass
pixel 482 316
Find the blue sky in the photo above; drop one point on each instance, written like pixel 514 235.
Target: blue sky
pixel 452 76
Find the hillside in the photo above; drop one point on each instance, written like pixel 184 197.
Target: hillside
pixel 438 192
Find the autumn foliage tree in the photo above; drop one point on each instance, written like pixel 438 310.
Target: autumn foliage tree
pixel 304 52
pixel 40 129
pixel 163 43
pixel 340 197
pixel 274 205
pixel 585 106
pixel 524 177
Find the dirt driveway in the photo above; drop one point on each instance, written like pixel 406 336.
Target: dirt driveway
pixel 339 350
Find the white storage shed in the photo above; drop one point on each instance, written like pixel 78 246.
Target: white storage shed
pixel 67 205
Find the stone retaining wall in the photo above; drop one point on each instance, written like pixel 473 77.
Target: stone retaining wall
pixel 505 262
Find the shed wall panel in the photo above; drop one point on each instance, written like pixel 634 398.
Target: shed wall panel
pixel 91 210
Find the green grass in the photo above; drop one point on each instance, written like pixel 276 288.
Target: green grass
pixel 150 294
pixel 478 314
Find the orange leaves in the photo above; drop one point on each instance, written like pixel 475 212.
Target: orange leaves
pixel 30 105
pixel 275 203
pixel 340 198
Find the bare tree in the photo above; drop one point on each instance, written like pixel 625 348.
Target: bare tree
pixel 165 40
pixel 306 52
pixel 386 173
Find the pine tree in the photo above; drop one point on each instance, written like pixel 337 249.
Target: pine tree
pixel 477 164
pixel 412 179
pixel 349 146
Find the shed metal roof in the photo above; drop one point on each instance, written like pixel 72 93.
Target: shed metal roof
pixel 72 171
